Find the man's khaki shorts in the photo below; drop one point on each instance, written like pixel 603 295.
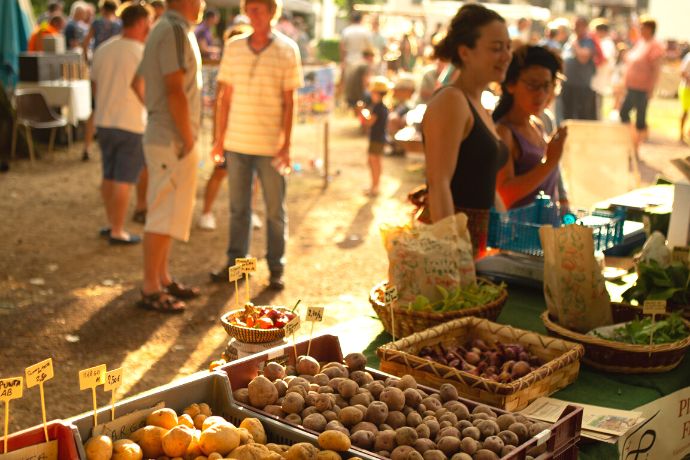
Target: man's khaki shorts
pixel 171 190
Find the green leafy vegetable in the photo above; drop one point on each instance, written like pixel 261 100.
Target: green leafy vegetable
pixel 656 283
pixel 459 298
pixel 668 330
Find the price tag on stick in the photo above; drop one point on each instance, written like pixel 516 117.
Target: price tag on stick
pixel 113 380
pixel 653 307
pixel 235 274
pixel 38 374
pixel 290 329
pixel 314 314
pixel 248 265
pixel 92 378
pixel 10 389
pixel 390 295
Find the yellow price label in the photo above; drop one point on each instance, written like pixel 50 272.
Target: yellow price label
pixel 39 373
pixel 92 377
pixel 235 273
pixel 292 326
pixel 11 388
pixel 113 380
pixel 390 295
pixel 315 313
pixel 654 307
pixel 248 264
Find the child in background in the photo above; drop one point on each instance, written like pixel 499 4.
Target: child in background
pixel 376 118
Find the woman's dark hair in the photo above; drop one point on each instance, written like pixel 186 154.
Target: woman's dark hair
pixel 464 30
pixel 524 57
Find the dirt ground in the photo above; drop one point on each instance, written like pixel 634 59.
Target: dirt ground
pixel 66 294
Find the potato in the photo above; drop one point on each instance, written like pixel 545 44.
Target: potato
pixel 212 420
pixel 385 440
pixel 245 436
pixel 164 418
pixel 348 388
pixel 293 403
pixel 506 450
pixel 393 397
pixel 301 451
pixel 126 449
pixel 431 403
pixel 472 432
pixel 99 448
pixel 240 395
pixel 221 438
pixel 412 397
pixel 299 382
pixel 350 416
pixel 275 410
pixel 307 365
pixel 363 439
pixel 150 439
pixel 294 418
pixel 449 445
pixel 484 409
pixel 363 399
pixel 333 372
pixel 509 438
pixel 262 392
pixel 461 456
pixel 421 445
pixel 214 456
pixel 434 454
pixel 377 412
pixel 520 430
pixel 328 455
pixel 461 411
pixel 405 382
pixel 330 415
pixel 401 452
pixel 194 449
pixel 375 388
pixel 316 422
pixel 281 386
pixel 274 371
pixel 366 426
pixel 277 448
pixel 488 428
pixel 536 428
pixel 253 452
pixel 448 392
pixel 255 428
pixel 321 379
pixel 176 441
pixel 405 436
pixel 185 420
pixel 448 431
pixel 323 401
pixel 325 389
pixel 423 431
pixel 462 424
pixel 356 361
pixel 485 454
pixel 433 425
pixel 505 420
pixel 361 377
pixel 193 410
pixel 449 417
pixel 334 440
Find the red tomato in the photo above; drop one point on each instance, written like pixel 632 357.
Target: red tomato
pixel 250 321
pixel 265 323
pixel 282 321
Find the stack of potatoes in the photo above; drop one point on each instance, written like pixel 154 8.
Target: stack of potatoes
pixel 393 418
pixel 196 434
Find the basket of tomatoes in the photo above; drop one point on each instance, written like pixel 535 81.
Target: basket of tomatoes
pixel 257 324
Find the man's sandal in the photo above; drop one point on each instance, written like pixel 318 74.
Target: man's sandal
pixel 181 291
pixel 161 302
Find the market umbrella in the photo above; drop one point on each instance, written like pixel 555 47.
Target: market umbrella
pixel 15 28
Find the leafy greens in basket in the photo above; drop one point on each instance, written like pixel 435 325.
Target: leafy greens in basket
pixel 668 330
pixel 474 295
pixel 656 283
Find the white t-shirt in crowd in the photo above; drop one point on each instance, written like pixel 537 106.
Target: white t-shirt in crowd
pixel 258 80
pixel 114 64
pixel 602 79
pixel 356 38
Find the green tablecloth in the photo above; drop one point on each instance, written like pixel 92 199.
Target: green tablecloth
pixel 620 391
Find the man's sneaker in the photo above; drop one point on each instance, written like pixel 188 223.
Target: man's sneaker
pixel 256 221
pixel 207 221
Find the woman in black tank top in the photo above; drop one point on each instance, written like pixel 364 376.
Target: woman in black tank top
pixel 463 152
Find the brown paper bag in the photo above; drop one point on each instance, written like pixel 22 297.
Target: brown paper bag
pixel 423 256
pixel 574 287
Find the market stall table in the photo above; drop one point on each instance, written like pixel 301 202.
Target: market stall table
pixel 619 391
pixel 72 95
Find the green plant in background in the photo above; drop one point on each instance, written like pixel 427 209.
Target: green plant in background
pixel 329 49
pixel 637 332
pixel 459 298
pixel 656 283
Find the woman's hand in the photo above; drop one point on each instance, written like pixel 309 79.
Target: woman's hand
pixel 554 151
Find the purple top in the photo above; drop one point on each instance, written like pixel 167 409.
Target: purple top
pixel 531 156
pixel 203 33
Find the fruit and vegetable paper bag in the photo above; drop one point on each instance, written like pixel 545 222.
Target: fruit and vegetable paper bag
pixel 574 287
pixel 423 256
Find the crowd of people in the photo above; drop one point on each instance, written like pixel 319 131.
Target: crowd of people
pixel 147 85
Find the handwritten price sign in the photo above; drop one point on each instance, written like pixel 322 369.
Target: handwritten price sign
pixel 92 377
pixel 235 273
pixel 39 373
pixel 315 314
pixel 248 264
pixel 654 307
pixel 11 388
pixel 113 380
pixel 390 295
pixel 292 326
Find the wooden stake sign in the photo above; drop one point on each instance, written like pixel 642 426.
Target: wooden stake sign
pixel 235 274
pixel 290 329
pixel 314 314
pixel 248 265
pixel 10 389
pixel 653 307
pixel 38 374
pixel 390 295
pixel 113 380
pixel 92 378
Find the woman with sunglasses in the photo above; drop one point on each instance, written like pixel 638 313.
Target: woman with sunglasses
pixel 528 88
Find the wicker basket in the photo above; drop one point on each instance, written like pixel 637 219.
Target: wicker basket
pixel 625 358
pixel 561 358
pixel 249 334
pixel 407 322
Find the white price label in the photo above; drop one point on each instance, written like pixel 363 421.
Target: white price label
pixel 654 307
pixel 235 273
pixel 315 314
pixel 248 264
pixel 390 295
pixel 292 326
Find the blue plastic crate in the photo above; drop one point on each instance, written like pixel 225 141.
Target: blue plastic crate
pixel 518 229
